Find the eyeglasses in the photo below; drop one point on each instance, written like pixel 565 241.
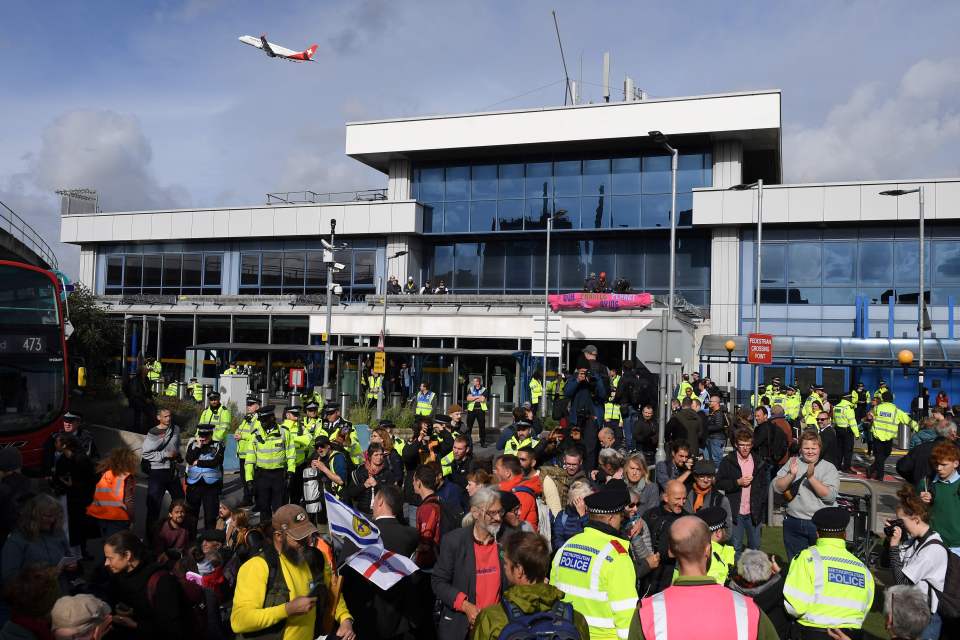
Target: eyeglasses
pixel 494 513
pixel 823 419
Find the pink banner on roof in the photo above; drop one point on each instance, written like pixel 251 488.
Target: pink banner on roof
pixel 600 301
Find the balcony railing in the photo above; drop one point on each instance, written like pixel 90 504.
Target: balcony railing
pixel 312 197
pixel 19 230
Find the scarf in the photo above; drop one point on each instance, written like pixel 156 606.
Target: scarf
pixel 701 494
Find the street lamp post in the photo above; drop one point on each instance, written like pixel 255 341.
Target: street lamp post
pixel 327 354
pixel 661 139
pixel 558 214
pixel 383 330
pixel 921 298
pixel 756 307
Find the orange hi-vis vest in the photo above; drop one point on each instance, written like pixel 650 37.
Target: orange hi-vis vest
pixel 108 498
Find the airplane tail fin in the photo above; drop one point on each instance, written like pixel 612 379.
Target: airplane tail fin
pixel 308 54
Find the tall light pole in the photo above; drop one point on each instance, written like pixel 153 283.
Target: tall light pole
pixel 756 306
pixel 667 319
pixel 921 299
pixel 383 331
pixel 558 214
pixel 329 260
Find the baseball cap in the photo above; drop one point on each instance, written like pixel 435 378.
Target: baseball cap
pixel 78 613
pixel 293 520
pixel 590 349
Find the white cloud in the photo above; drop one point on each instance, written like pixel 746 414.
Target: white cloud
pixel 904 130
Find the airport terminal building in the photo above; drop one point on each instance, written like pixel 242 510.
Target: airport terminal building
pixel 466 201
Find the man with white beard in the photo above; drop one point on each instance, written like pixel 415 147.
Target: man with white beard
pixel 469 573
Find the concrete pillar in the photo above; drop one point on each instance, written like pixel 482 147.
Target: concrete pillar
pixel 727 163
pixel 88 267
pixel 724 293
pixel 398 181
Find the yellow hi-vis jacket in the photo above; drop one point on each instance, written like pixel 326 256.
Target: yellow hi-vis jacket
pixel 596 574
pixel 271 450
pixel 536 390
pixel 828 587
pixel 845 417
pixel 611 412
pixel 373 386
pixel 248 426
pixel 220 419
pixel 887 417
pixel 791 406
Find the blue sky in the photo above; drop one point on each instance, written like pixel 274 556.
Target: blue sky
pixel 156 104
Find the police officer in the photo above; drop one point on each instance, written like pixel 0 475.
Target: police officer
pixel 303 446
pixel 374 385
pixel 827 587
pixel 244 435
pixel 398 443
pixel 333 424
pixel 882 388
pixel 887 418
pixel 846 424
pixel 154 369
pixel 444 438
pixel 722 556
pixel 594 568
pixel 232 370
pixel 522 437
pixel 860 398
pixel 791 403
pixel 536 391
pixel 196 390
pixel 171 391
pixel 312 421
pixel 612 417
pixel 477 408
pixel 217 415
pixel 204 458
pixel 271 462
pixel 684 385
pixel 425 400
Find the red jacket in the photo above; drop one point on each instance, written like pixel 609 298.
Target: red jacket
pixel 528 503
pixel 428 526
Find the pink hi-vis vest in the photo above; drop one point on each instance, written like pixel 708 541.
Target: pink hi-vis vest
pixel 699 611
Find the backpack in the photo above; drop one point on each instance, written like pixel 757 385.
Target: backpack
pixel 949 605
pixel 543 513
pixel 451 518
pixel 194 605
pixel 556 623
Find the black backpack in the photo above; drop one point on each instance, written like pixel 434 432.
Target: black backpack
pixel 451 518
pixel 556 623
pixel 949 605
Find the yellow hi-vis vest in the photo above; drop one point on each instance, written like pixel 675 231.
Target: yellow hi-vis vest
pixel 614 382
pixel 845 417
pixel 197 390
pixel 373 386
pixel 425 403
pixel 271 450
pixel 597 576
pixel 887 417
pixel 513 445
pixel 301 437
pixel 248 426
pixel 536 390
pixel 473 391
pixel 722 559
pixel 611 412
pixel 791 406
pixel 154 371
pixel 682 391
pixel 220 421
pixel 828 587
pixel 171 390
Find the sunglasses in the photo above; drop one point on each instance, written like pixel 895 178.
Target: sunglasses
pixel 823 419
pixel 634 505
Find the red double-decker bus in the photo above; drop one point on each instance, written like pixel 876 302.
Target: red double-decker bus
pixel 34 373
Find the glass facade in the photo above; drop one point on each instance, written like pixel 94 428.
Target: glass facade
pixel 622 192
pixel 517 266
pixel 164 273
pixel 807 266
pixel 303 272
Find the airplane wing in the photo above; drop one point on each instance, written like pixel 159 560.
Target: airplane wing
pixel 276 51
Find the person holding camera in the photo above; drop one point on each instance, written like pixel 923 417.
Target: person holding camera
pixel 587 391
pixel 917 554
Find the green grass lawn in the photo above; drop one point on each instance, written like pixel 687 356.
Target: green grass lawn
pixel 771 541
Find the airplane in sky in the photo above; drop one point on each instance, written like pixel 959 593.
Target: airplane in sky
pixel 276 51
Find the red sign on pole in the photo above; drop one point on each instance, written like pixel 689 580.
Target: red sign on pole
pixel 760 348
pixel 297 378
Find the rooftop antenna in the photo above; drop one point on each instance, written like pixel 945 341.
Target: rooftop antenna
pixel 606 76
pixel 566 76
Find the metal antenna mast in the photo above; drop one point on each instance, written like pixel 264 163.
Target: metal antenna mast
pixel 566 76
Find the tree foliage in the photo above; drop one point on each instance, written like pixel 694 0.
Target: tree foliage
pixel 96 338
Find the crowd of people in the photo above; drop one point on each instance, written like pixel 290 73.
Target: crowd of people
pixel 574 530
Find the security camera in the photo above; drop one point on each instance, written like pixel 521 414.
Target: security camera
pixel 337 290
pixel 337 266
pixel 326 245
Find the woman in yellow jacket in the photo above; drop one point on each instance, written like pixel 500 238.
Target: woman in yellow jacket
pixel 810 417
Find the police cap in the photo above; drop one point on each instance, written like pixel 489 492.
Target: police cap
pixel 613 497
pixel 330 410
pixel 266 410
pixel 789 388
pixel 882 382
pixel 385 424
pixel 776 381
pixel 715 517
pixel 72 416
pixel 442 419
pixel 294 409
pixel 253 400
pixel 311 406
pixel 704 468
pixel 522 424
pixel 831 519
pixel 847 396
pixel 205 430
pixel 213 395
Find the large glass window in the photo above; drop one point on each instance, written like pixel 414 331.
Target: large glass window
pixel 192 272
pixel 152 265
pixel 803 263
pixel 271 269
pixel 876 260
pixel 947 261
pixel 773 264
pixel 597 193
pixel 839 262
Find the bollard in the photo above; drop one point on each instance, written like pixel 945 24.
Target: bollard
pixel 158 389
pixel 264 397
pixel 181 391
pixel 903 436
pixel 445 400
pixel 294 398
pixel 494 414
pixel 206 392
pixel 344 404
pixel 396 399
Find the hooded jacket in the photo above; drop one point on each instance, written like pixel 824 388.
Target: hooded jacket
pixel 769 597
pixel 529 598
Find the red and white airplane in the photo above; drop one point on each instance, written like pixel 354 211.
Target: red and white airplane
pixel 276 51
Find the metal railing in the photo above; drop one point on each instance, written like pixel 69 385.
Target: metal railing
pixel 312 197
pixel 18 229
